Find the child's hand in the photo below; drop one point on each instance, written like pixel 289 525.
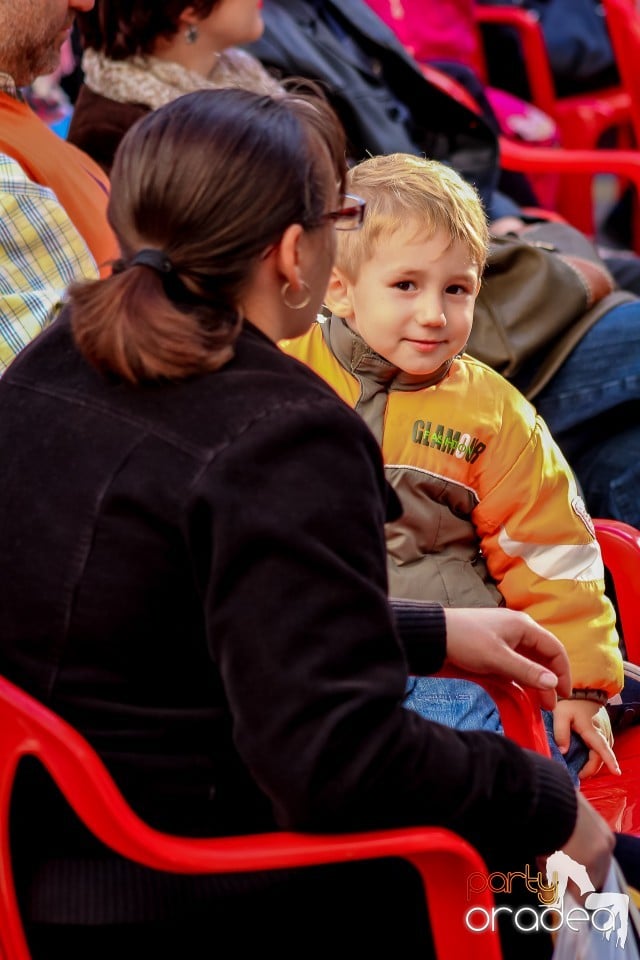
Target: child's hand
pixel 591 722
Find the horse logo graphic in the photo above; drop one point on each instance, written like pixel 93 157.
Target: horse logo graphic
pixel 562 868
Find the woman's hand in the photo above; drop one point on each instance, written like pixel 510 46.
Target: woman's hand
pixel 591 843
pixel 511 645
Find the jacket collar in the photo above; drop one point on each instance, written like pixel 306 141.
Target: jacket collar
pixel 362 362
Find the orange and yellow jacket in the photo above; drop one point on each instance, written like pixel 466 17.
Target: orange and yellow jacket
pixel 492 514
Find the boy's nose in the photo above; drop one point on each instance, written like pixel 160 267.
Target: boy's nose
pixel 431 314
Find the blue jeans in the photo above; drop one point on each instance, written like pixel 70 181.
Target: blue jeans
pixel 592 407
pixel 466 706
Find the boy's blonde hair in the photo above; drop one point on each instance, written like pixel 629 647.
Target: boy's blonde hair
pixel 404 190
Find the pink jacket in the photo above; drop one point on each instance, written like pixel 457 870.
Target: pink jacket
pixel 436 30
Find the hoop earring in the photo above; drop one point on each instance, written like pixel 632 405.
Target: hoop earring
pixel 306 296
pixel 191 34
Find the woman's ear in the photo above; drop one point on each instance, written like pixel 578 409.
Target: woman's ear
pixel 189 17
pixel 338 295
pixel 288 256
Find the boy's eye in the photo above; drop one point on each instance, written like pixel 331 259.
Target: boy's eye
pixel 404 285
pixel 456 289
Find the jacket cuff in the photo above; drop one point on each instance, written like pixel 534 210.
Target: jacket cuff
pixel 589 693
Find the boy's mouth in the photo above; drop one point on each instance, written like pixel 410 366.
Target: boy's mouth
pixel 425 345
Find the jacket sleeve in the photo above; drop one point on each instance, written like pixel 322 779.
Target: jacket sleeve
pixel 423 633
pixel 540 546
pixel 287 532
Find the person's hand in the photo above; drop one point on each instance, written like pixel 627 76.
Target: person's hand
pixel 591 721
pixel 591 843
pixel 511 645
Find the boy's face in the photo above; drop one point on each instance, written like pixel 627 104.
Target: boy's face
pixel 413 300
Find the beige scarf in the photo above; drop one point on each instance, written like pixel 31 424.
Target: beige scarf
pixel 154 82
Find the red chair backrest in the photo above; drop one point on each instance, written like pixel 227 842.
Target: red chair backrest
pixel 620 546
pixel 623 24
pixel 616 798
pixel 27 727
pixel 533 46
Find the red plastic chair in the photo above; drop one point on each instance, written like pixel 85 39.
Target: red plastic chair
pixel 576 208
pixel 617 799
pixel 623 24
pixel 518 707
pixel 443 859
pixel 581 118
pixel 620 546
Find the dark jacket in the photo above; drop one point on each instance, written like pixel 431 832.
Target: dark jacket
pixel 193 574
pixel 98 124
pixel 384 101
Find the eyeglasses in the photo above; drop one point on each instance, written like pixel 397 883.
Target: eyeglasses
pixel 350 215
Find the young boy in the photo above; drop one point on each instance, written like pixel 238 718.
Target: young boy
pixel 492 514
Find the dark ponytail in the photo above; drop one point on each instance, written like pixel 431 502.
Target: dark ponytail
pixel 209 182
pixel 127 325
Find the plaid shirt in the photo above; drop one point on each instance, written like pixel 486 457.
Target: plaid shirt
pixel 41 252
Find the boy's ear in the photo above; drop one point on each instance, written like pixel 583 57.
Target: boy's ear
pixel 338 295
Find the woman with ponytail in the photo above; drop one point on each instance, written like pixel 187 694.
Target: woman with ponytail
pixel 193 574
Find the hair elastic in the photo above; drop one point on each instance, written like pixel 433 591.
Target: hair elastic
pixel 155 259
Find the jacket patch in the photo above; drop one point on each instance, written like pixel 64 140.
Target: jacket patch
pixel 454 442
pixel 579 508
